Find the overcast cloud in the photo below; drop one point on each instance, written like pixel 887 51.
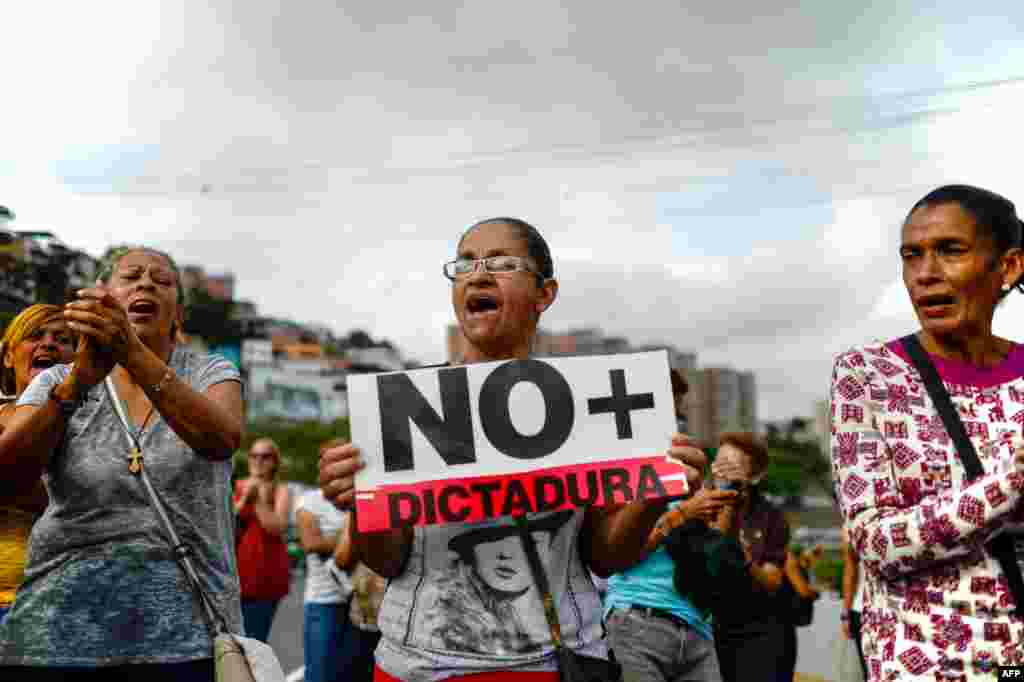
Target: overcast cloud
pixel 726 179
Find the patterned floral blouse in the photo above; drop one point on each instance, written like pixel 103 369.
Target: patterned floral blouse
pixel 936 604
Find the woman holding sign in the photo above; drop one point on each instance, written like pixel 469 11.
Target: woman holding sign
pixel 502 282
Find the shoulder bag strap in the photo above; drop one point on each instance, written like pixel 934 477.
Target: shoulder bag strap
pixel 944 405
pixel 540 577
pixel 1002 546
pixel 215 621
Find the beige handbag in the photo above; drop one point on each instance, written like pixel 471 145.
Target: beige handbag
pixel 241 659
pixel 236 658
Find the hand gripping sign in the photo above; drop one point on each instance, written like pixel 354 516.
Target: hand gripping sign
pixel 468 443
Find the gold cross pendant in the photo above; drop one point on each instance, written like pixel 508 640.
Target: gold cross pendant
pixel 135 465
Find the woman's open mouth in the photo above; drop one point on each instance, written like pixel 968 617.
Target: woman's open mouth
pixel 481 305
pixel 41 363
pixel 938 305
pixel 143 308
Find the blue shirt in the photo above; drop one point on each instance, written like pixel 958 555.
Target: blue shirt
pixel 649 585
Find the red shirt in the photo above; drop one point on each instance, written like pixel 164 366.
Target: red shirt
pixel 264 570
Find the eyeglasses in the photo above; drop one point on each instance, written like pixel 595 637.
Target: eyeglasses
pixel 495 265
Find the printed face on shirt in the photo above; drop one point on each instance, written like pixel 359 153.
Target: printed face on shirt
pixel 502 564
pixel 951 271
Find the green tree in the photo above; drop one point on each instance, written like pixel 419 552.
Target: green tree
pixel 795 463
pixel 17 284
pixel 210 318
pixel 52 280
pixel 5 319
pixel 299 442
pixel 785 477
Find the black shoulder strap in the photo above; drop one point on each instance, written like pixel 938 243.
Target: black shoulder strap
pixel 944 405
pixel 1002 546
pixel 540 577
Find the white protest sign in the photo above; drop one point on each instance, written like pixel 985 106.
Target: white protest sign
pixel 467 443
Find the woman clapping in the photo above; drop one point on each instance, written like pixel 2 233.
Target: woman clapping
pixel 104 596
pixel 264 570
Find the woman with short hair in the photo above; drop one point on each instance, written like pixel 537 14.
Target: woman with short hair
pixel 937 602
pixel 502 282
pixel 753 637
pixel 104 596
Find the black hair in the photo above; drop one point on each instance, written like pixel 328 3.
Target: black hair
pixel 680 386
pixel 994 214
pixel 536 245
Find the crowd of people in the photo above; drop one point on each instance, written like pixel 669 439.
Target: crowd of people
pixel 926 452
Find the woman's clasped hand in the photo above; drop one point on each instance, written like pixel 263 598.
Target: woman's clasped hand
pixel 134 613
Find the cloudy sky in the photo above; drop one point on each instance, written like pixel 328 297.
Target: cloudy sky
pixel 726 179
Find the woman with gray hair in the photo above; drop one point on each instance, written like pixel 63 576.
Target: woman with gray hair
pixel 103 593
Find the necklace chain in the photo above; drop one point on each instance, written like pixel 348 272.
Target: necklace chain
pixel 145 421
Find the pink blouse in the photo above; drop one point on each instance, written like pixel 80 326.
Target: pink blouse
pixel 936 604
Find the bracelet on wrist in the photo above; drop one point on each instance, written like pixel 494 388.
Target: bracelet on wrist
pixel 162 384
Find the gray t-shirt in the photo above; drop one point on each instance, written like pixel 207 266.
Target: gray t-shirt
pixel 101 585
pixel 467 602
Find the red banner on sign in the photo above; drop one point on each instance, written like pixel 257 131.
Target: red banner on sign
pixel 483 497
